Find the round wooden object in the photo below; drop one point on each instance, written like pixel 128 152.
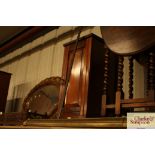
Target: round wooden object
pixel 128 40
pixel 44 98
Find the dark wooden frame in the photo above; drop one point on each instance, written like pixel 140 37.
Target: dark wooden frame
pixel 4 86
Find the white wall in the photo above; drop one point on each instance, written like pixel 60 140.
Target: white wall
pixel 29 69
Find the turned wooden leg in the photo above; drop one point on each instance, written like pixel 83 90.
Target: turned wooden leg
pixel 119 86
pixel 105 84
pixel 151 76
pixel 130 80
pixel 131 77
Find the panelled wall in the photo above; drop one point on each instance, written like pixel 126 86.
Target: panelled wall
pixel 43 58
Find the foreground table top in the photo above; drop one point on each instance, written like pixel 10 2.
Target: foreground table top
pixel 100 123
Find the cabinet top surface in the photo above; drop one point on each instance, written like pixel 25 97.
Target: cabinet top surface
pixel 2 72
pixel 91 35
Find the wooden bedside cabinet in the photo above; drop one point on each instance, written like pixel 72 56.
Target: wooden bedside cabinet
pixel 84 93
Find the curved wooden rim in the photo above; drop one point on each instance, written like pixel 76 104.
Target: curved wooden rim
pixel 57 81
pixel 133 53
pixel 128 40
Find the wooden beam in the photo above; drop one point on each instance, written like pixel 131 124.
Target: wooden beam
pixel 29 34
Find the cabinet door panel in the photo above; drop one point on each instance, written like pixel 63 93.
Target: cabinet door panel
pixel 73 90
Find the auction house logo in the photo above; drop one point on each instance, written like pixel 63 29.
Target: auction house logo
pixel 141 120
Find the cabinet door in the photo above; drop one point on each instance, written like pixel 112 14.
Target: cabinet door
pixel 73 104
pixel 73 96
pixel 73 91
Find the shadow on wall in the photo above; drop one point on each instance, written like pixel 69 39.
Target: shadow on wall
pixel 19 93
pixel 13 105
